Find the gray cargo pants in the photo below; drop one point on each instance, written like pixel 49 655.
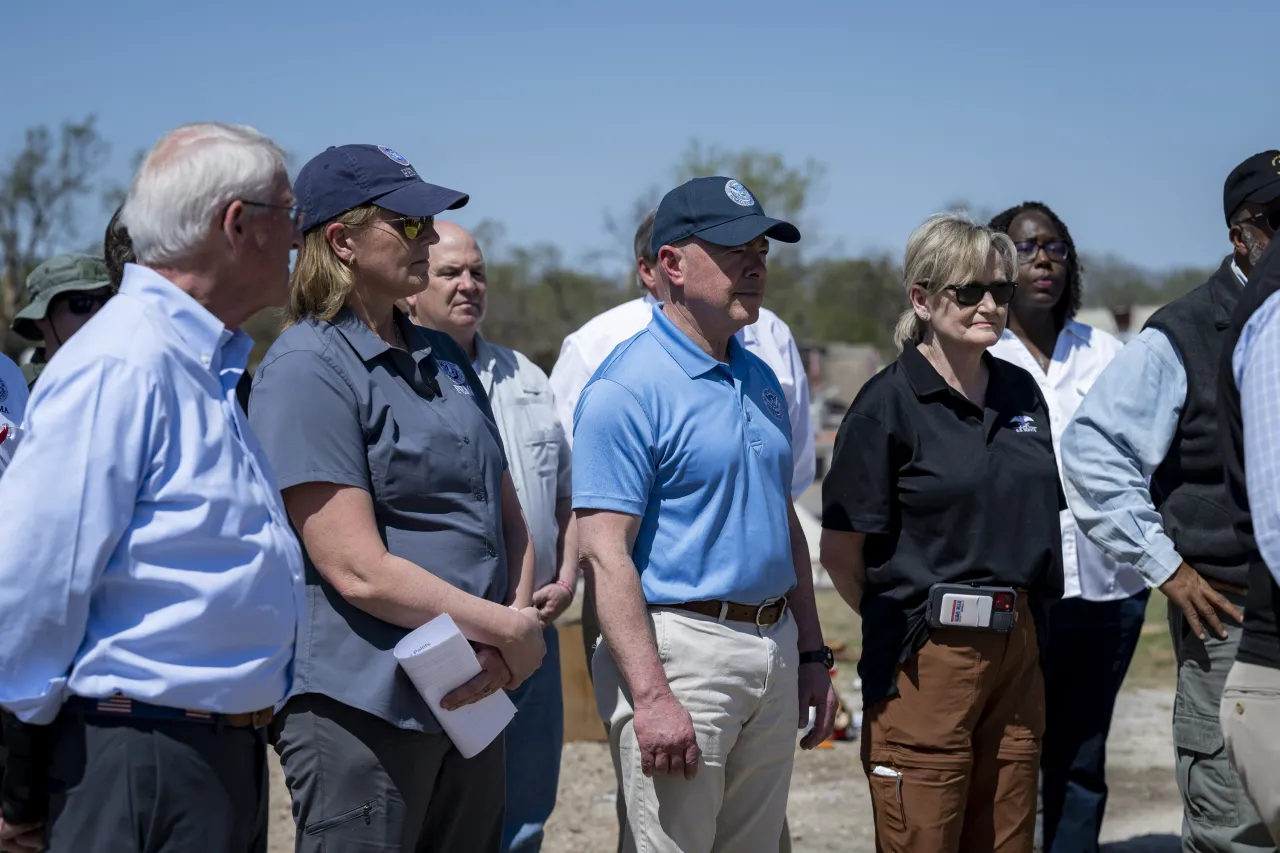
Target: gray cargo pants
pixel 1217 815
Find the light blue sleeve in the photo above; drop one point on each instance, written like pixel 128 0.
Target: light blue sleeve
pixel 1117 438
pixel 67 498
pixel 1256 367
pixel 614 454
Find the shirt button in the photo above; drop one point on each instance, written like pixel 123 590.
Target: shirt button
pixel 480 495
pixel 466 440
pixel 490 550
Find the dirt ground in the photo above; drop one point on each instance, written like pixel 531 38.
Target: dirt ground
pixel 829 809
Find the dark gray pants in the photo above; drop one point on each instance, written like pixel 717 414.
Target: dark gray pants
pixel 361 784
pixel 1217 814
pixel 165 786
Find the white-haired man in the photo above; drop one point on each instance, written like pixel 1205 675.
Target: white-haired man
pixel 150 583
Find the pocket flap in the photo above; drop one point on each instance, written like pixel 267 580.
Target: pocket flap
pixel 1197 735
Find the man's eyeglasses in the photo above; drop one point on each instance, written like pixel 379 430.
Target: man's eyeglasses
pixel 412 227
pixel 971 294
pixel 1028 250
pixel 81 304
pixel 295 210
pixel 1269 219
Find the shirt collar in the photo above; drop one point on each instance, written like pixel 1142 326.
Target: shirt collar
pixel 214 344
pixel 1244 279
pixel 924 377
pixel 691 358
pixel 486 361
pixel 369 346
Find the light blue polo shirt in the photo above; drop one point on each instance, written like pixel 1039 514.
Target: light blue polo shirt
pixel 701 451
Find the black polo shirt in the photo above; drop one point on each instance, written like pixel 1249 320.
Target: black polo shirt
pixel 946 492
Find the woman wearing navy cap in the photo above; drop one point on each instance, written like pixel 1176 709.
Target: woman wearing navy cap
pixel 394 477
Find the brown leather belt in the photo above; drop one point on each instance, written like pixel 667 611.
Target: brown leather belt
pixel 769 613
pixel 1228 588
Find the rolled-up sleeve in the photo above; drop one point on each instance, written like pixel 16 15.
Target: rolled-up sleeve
pixel 306 417
pixel 65 501
pixel 1117 438
pixel 614 457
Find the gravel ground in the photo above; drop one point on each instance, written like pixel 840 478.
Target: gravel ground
pixel 829 809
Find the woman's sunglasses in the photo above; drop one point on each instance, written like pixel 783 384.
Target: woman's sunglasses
pixel 412 227
pixel 971 294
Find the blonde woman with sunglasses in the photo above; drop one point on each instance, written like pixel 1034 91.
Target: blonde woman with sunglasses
pixel 940 526
pixel 394 477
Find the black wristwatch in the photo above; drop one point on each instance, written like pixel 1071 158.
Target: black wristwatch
pixel 824 656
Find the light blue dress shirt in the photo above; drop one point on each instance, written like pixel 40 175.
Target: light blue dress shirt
pixel 145 549
pixel 701 451
pixel 1255 364
pixel 1117 438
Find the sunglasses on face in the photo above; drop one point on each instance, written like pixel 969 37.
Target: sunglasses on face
pixel 969 295
pixel 1029 249
pixel 412 227
pixel 1268 219
pixel 81 304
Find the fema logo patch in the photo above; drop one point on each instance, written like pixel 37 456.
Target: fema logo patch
pixel 1023 423
pixel 395 157
pixel 456 376
pixel 772 403
pixel 738 194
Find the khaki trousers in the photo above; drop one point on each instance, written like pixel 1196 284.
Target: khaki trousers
pixel 738 683
pixel 952 760
pixel 1250 717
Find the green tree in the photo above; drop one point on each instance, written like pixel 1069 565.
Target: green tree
pixel 40 190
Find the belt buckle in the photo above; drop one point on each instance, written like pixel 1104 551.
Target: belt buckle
pixel 261 717
pixel 770 603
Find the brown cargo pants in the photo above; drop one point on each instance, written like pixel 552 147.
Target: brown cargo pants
pixel 953 759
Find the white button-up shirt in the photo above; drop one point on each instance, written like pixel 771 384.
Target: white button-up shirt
pixel 769 338
pixel 1079 357
pixel 538 453
pixel 146 550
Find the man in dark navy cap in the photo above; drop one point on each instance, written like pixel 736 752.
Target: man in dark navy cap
pixel 1143 464
pixel 682 479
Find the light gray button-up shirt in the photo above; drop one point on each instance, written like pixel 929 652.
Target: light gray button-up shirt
pixel 538 453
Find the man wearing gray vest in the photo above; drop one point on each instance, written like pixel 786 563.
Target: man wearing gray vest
pixel 1153 414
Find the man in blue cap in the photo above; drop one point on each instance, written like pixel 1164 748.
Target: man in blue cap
pixel 712 653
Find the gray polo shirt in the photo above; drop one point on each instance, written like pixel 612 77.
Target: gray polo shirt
pixel 333 403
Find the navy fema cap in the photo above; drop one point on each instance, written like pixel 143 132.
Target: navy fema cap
pixel 718 210
pixel 344 177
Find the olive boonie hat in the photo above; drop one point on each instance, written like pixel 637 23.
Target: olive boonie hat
pixel 59 274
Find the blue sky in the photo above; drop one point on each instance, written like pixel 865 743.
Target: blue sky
pixel 1124 115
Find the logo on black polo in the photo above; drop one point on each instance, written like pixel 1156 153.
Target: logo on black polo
pixel 1023 423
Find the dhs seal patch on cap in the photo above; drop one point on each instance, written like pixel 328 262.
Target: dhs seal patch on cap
pixel 394 155
pixel 739 194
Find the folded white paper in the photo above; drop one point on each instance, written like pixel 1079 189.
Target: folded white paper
pixel 438 660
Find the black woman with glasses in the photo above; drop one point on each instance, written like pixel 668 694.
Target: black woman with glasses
pixel 941 527
pixel 1143 467
pixel 1094 630
pixel 394 477
pixel 63 293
